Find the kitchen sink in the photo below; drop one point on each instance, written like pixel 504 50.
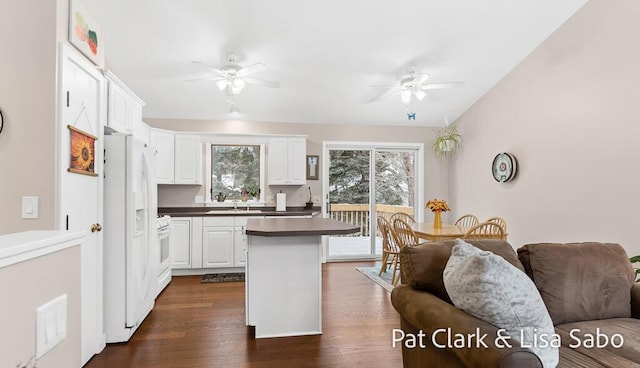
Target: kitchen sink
pixel 232 211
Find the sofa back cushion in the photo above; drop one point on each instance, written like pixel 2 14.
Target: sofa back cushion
pixel 580 281
pixel 422 265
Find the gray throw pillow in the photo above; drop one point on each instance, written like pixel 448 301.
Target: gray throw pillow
pixel 488 287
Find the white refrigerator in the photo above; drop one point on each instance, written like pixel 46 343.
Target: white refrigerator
pixel 131 247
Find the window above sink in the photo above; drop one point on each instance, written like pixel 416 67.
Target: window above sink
pixel 235 174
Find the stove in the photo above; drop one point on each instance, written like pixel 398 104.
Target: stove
pixel 165 228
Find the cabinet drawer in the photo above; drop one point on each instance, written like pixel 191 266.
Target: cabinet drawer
pixel 218 221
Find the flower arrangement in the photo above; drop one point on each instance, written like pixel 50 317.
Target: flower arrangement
pixel 438 205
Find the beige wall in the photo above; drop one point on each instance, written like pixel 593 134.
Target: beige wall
pixel 27 285
pixel 570 113
pixel 27 99
pixel 435 169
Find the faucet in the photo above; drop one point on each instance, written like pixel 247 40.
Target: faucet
pixel 235 204
pixel 247 207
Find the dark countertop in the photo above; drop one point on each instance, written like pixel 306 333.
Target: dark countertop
pixel 298 227
pixel 220 211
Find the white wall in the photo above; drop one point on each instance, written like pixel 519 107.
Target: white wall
pixel 27 99
pixel 570 112
pixel 435 176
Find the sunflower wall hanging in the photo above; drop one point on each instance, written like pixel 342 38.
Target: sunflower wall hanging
pixel 82 152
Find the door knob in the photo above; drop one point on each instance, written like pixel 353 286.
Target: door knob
pixel 96 227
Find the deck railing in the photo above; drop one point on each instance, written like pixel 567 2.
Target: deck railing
pixel 359 215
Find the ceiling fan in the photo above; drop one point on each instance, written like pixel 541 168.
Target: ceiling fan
pixel 233 77
pixel 413 85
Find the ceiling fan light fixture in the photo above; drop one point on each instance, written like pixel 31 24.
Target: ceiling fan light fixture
pixel 238 83
pixel 405 96
pixel 222 84
pixel 419 94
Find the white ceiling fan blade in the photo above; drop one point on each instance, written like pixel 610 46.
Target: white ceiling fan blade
pixel 391 92
pixel 390 87
pixel 203 79
pixel 419 94
pixel 261 82
pixel 216 70
pixel 421 78
pixel 441 85
pixel 222 83
pixel 257 67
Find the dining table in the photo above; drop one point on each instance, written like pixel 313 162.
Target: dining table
pixel 425 230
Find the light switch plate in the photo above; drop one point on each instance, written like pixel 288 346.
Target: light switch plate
pixel 51 324
pixel 30 207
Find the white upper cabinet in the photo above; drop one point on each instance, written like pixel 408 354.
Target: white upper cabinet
pixel 286 161
pixel 163 142
pixel 179 157
pixel 188 159
pixel 124 113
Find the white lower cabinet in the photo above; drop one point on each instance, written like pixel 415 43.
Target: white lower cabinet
pixel 221 242
pixel 217 246
pixel 181 243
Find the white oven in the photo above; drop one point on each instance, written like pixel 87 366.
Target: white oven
pixel 165 229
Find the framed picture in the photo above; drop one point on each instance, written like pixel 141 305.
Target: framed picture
pixel 313 166
pixel 83 157
pixel 85 33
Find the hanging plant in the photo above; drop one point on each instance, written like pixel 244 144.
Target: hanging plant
pixel 447 141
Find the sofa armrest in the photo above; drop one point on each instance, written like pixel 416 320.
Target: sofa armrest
pixel 635 300
pixel 427 313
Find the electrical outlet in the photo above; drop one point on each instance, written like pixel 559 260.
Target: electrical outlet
pixel 316 199
pixel 51 324
pixel 199 199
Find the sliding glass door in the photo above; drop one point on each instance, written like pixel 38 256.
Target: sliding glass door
pixel 363 182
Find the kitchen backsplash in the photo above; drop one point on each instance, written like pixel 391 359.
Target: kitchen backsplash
pixel 185 195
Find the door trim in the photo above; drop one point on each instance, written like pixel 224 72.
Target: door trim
pixel 383 146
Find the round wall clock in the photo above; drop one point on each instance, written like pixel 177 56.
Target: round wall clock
pixel 504 167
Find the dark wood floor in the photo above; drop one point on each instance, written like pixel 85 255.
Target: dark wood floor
pixel 197 325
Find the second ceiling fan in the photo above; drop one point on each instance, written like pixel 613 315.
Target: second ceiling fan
pixel 414 85
pixel 233 77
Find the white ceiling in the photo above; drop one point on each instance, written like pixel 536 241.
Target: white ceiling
pixel 325 53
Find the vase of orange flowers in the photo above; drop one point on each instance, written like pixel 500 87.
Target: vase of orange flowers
pixel 437 206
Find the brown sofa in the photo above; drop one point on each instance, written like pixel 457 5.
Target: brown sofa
pixel 587 288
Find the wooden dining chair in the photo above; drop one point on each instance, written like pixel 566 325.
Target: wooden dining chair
pixel 500 221
pixel 485 230
pixel 404 216
pixel 467 221
pixel 403 234
pixel 390 250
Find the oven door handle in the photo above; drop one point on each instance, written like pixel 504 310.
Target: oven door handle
pixel 165 232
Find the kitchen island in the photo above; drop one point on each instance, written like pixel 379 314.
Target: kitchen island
pixel 284 274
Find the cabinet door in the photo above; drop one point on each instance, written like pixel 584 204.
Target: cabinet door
pixel 277 158
pixel 118 111
pixel 181 243
pixel 188 159
pixel 217 246
pixel 163 143
pixel 296 161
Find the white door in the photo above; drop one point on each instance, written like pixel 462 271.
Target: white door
pixel 82 102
